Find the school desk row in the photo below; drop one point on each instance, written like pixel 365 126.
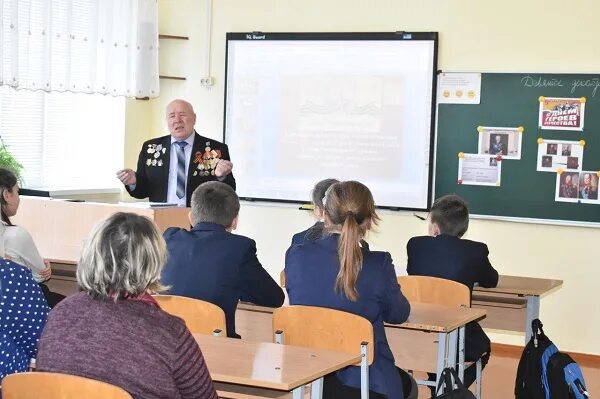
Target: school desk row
pixel 60 227
pixel 428 341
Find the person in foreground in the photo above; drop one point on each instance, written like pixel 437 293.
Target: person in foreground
pixel 16 242
pixel 19 330
pixel 335 272
pixel 444 254
pixel 113 330
pixel 213 264
pixel 170 167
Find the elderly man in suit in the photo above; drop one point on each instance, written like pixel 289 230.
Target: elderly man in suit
pixel 213 264
pixel 170 167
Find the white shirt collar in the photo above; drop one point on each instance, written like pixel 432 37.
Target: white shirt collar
pixel 189 140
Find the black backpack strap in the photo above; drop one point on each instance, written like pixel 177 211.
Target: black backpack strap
pixel 537 331
pixel 457 381
pixel 445 379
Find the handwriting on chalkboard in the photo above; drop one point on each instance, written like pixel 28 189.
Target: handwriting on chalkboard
pixel 584 84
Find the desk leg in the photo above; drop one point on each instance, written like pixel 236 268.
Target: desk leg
pixel 441 356
pixel 533 312
pixel 453 341
pixel 461 353
pixel 317 389
pixel 298 393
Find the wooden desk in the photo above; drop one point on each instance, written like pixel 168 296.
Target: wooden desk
pixel 427 341
pixel 267 365
pixel 513 296
pixel 60 227
pixel 430 338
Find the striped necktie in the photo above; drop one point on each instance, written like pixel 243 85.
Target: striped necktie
pixel 180 168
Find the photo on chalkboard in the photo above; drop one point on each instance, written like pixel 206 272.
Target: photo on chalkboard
pixel 577 187
pixel 479 170
pixel 559 154
pixel 503 141
pixel 557 113
pixel 588 186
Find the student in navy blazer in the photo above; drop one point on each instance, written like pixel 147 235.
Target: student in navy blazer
pixel 444 254
pixel 211 263
pixel 315 231
pixel 363 283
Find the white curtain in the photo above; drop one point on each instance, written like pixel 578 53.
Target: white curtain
pixel 82 46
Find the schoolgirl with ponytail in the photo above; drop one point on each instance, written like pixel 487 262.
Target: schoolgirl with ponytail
pixel 338 272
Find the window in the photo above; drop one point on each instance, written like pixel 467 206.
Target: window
pixel 64 141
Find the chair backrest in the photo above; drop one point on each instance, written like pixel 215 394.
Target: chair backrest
pixel 323 328
pixel 435 290
pixel 282 279
pixel 201 317
pixel 35 385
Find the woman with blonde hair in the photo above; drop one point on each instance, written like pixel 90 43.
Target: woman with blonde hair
pixel 336 272
pixel 113 330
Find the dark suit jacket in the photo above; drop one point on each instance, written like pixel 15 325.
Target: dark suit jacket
pixel 315 232
pixel 455 259
pixel 214 265
pixel 153 181
pixel 311 270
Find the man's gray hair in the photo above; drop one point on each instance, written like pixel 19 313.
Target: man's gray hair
pixel 123 257
pixel 215 202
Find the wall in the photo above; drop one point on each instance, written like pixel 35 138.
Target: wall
pixel 533 35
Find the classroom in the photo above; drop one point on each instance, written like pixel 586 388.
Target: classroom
pixel 474 36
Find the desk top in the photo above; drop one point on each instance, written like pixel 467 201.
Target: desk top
pixel 60 227
pixel 268 365
pixel 517 285
pixel 430 317
pixel 423 316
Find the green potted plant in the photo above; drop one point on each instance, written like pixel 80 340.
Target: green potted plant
pixel 8 161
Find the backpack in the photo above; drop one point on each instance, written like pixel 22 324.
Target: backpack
pixel 563 378
pixel 448 389
pixel 546 373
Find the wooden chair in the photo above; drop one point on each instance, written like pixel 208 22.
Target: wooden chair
pixel 201 317
pixel 282 279
pixel 435 290
pixel 324 328
pixel 35 385
pixel 439 291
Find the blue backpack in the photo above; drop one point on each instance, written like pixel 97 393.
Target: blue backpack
pixel 561 376
pixel 546 373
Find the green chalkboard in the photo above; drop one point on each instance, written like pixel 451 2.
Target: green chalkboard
pixel 511 100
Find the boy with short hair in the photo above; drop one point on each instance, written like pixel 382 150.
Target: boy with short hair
pixel 444 254
pixel 212 264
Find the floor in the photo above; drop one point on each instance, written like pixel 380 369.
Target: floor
pixel 498 376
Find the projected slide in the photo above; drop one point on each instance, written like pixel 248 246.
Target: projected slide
pixel 299 111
